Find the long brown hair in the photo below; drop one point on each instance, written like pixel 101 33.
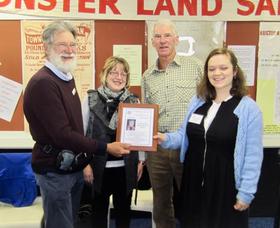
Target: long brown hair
pixel 207 92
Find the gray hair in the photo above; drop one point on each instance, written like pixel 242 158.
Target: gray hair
pixel 166 22
pixel 57 26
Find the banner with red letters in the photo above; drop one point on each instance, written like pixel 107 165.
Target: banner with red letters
pixel 186 10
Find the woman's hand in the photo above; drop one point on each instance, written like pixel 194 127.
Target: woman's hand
pixel 240 206
pixel 88 174
pixel 160 137
pixel 140 170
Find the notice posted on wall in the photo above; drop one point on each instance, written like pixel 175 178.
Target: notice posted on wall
pixel 10 92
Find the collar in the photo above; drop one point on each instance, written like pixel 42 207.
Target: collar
pixel 225 100
pixel 65 77
pixel 176 61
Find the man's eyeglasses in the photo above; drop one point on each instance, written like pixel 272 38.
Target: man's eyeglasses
pixel 62 45
pixel 116 74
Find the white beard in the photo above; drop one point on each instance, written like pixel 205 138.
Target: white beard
pixel 56 59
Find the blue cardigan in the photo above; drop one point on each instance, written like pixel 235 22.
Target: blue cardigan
pixel 248 152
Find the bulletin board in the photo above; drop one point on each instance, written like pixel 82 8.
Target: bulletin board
pixel 244 33
pixel 10 67
pixel 107 34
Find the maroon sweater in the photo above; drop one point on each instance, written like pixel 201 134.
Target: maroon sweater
pixel 52 108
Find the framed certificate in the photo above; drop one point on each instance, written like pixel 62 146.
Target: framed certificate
pixel 137 124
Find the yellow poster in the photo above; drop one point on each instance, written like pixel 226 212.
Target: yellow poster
pixel 268 84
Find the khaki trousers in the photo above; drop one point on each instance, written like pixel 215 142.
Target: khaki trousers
pixel 164 166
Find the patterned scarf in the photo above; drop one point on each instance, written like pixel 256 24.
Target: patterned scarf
pixel 112 101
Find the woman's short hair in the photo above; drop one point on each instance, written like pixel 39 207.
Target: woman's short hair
pixel 110 63
pixel 207 92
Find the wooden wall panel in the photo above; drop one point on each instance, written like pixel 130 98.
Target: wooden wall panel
pixel 108 33
pixel 10 67
pixel 244 33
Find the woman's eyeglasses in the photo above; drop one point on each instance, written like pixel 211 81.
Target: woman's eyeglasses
pixel 116 74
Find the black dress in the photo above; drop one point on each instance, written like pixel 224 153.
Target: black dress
pixel 208 185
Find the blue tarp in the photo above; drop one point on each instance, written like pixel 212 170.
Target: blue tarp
pixel 17 180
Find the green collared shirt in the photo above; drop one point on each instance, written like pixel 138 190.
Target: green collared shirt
pixel 171 89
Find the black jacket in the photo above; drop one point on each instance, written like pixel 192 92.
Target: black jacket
pixel 98 128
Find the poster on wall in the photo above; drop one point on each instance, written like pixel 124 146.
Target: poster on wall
pixel 195 38
pixel 246 55
pixel 269 77
pixel 133 55
pixel 33 54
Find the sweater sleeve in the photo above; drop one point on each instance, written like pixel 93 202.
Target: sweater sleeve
pixel 251 169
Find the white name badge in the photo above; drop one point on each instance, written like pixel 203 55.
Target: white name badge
pixel 196 118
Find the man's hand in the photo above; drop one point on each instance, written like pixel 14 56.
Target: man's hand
pixel 118 149
pixel 160 137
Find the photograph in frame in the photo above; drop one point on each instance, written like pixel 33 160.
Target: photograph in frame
pixel 137 124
